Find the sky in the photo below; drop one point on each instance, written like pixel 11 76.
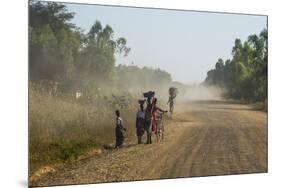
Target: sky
pixel 187 44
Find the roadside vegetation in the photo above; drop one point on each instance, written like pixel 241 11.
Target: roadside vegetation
pixel 75 85
pixel 244 77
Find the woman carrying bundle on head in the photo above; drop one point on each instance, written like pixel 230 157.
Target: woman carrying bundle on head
pixel 147 125
pixel 172 95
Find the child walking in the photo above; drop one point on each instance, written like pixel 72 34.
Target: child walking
pixel 119 130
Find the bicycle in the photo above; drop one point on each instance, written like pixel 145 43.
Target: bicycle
pixel 160 126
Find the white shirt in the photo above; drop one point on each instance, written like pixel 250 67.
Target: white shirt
pixel 119 121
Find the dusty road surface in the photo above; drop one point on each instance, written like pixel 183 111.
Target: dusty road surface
pixel 203 138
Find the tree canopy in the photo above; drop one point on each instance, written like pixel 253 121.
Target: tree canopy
pixel 245 75
pixel 61 52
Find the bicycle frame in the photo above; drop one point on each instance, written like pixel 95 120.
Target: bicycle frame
pixel 160 127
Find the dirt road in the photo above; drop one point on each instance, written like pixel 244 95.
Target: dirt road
pixel 203 138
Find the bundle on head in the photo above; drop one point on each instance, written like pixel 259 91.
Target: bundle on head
pixel 173 92
pixel 141 101
pixel 149 94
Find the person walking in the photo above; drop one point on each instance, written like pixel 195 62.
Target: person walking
pixel 154 111
pixel 172 95
pixel 140 121
pixel 119 130
pixel 147 123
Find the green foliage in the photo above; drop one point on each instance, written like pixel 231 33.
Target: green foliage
pixel 54 42
pixel 244 76
pixel 59 51
pixel 62 60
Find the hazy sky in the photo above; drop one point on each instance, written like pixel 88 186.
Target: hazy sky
pixel 186 44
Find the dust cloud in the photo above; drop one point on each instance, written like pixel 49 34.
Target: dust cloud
pixel 201 93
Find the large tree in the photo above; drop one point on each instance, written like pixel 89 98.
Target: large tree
pixel 245 75
pixel 53 42
pixel 96 61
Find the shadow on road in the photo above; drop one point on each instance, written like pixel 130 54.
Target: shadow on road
pixel 111 147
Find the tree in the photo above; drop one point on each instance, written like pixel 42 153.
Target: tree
pixel 54 42
pixel 59 51
pixel 245 75
pixel 95 65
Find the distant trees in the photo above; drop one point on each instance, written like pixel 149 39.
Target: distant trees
pixel 245 75
pixel 134 78
pixel 61 53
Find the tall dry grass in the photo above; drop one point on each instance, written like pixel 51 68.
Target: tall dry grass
pixel 62 127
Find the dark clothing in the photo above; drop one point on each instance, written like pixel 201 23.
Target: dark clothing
pixel 148 112
pixel 119 132
pixel 140 122
pixel 140 126
pixel 148 131
pixel 119 137
pixel 139 140
pixel 147 124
